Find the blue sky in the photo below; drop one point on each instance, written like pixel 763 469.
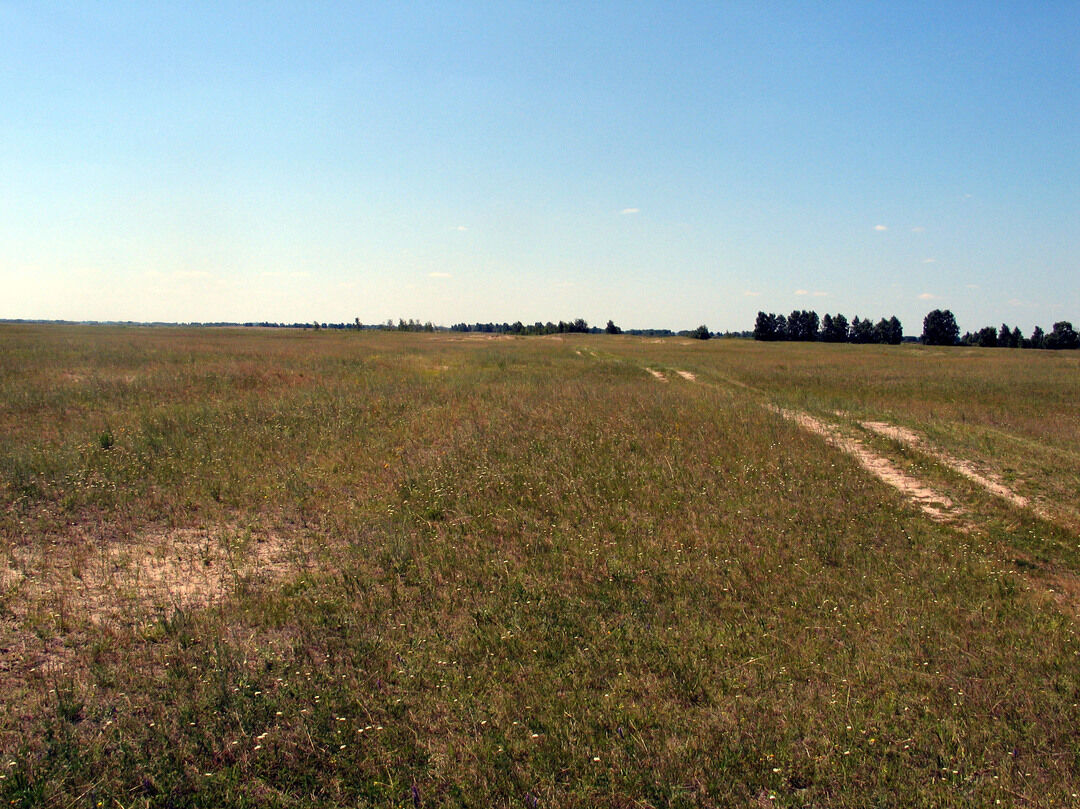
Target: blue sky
pixel 660 164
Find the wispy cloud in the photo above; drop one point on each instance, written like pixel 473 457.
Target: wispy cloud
pixel 461 228
pixel 820 294
pixel 439 275
pixel 971 286
pixel 801 292
pixel 929 260
pixel 926 296
pixel 918 229
pixel 303 274
pixel 751 294
pixel 626 211
pixel 881 227
pixel 191 274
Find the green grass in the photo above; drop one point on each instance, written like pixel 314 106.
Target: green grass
pixel 512 574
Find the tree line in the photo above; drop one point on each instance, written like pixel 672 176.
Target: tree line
pixel 578 326
pixel 939 328
pixel 805 326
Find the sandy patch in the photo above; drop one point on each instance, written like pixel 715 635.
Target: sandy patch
pixel 55 597
pixel 659 376
pixel 989 482
pixel 687 376
pixel 125 581
pixel 936 505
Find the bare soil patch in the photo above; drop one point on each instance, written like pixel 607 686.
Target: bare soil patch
pixel 657 374
pixel 936 505
pixel 986 480
pixel 687 375
pixel 49 593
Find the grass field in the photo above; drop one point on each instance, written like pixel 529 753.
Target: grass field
pixel 282 568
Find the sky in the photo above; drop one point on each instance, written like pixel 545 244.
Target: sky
pixel 659 164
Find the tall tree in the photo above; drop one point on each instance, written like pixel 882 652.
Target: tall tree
pixel 987 337
pixel 895 332
pixel 1062 336
pixel 834 329
pixel 769 327
pixel 862 331
pixel 940 329
pixel 802 325
pixel 881 331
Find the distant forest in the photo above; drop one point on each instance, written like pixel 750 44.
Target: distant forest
pixel 804 326
pixel 939 328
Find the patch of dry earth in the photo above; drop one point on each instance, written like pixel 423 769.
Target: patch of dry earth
pixel 987 481
pixel 936 505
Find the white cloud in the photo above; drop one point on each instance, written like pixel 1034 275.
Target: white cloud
pixel 918 229
pixel 461 228
pixel 438 275
pixel 625 211
pixel 972 286
pixel 750 294
pixel 819 294
pixel 299 275
pixel 929 260
pixel 881 227
pixel 926 296
pixel 191 274
pixel 801 292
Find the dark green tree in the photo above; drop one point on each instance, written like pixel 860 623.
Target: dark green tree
pixel 894 334
pixel 862 331
pixel 802 326
pixel 940 329
pixel 987 337
pixel 701 333
pixel 1038 338
pixel 834 329
pixel 881 331
pixel 1062 336
pixel 769 327
pixel 611 328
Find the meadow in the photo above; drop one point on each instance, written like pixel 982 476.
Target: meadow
pixel 298 568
